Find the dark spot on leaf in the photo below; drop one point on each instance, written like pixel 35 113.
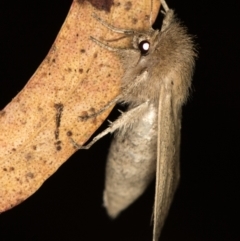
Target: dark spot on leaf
pixel 134 20
pixel 13 149
pixel 11 169
pixel 30 175
pixel 58 148
pixel 128 5
pixel 58 106
pixel 5 169
pixel 56 134
pixel 82 50
pixel 53 60
pixel 104 5
pixel 23 122
pixel 69 70
pixel 34 147
pixel 147 17
pixel 58 143
pixel 69 133
pixel 84 116
pixel 95 55
pixel 59 110
pixel 28 156
pixel 40 108
pixel 80 71
pixel 92 110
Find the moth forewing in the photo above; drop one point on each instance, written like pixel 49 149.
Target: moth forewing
pixel 167 171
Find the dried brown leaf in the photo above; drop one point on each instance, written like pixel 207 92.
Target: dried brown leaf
pixel 77 77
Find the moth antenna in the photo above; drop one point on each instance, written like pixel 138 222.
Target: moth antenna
pixel 112 28
pixel 105 46
pixel 165 9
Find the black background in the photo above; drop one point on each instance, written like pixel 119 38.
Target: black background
pixel 69 204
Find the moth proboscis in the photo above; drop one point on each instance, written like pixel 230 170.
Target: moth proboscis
pixel 157 77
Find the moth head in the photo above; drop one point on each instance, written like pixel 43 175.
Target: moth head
pixel 162 57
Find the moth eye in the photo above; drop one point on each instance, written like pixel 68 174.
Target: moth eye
pixel 144 47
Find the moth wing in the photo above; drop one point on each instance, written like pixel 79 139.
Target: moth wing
pixel 167 170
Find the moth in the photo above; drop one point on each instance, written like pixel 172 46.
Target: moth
pixel 158 69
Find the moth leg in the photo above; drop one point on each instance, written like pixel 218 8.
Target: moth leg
pixel 168 18
pixel 164 5
pixel 112 28
pixel 125 120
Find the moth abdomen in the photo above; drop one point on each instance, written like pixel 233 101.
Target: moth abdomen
pixel 129 171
